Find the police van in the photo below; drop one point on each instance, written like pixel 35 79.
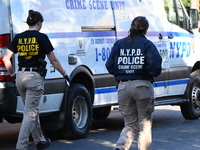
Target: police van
pixel 83 33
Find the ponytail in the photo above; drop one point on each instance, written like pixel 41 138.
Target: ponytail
pixel 34 17
pixel 139 25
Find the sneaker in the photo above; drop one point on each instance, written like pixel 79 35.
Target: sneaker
pixel 41 146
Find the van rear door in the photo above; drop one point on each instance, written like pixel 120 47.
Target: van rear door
pixel 5 37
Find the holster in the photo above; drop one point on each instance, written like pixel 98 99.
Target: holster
pixel 42 68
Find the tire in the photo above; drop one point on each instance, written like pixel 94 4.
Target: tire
pixel 101 113
pixel 191 109
pixel 78 115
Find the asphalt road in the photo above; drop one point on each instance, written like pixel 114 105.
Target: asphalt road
pixel 170 132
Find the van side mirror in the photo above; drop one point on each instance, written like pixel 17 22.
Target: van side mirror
pixel 194 17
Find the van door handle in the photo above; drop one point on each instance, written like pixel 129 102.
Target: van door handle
pixel 170 36
pixel 160 36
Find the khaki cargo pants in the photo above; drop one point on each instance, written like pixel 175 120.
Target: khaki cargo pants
pixel 30 86
pixel 136 104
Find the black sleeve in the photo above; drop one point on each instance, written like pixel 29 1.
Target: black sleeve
pixel 13 45
pixel 110 62
pixel 46 45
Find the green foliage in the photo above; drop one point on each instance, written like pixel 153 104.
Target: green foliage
pixel 186 3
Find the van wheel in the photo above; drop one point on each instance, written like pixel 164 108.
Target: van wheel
pixel 101 113
pixel 191 109
pixel 78 115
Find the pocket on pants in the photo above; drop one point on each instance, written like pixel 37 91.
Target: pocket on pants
pixel 141 83
pixel 121 87
pixel 143 90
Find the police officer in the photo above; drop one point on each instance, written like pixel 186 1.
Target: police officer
pixel 134 61
pixel 32 47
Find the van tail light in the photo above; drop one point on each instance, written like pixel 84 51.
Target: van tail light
pixel 4 41
pixel 4 75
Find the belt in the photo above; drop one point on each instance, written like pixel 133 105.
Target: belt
pixel 28 69
pixel 128 80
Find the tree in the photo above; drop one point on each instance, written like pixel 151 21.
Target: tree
pixel 186 3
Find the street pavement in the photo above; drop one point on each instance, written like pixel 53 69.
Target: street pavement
pixel 170 132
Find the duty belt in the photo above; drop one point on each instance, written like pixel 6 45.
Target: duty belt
pixel 28 69
pixel 128 80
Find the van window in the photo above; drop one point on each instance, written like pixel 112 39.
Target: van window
pixel 180 14
pixel 170 11
pixel 174 11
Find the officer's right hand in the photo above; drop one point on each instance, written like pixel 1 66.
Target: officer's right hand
pixel 67 79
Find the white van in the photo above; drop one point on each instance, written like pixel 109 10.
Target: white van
pixel 83 33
